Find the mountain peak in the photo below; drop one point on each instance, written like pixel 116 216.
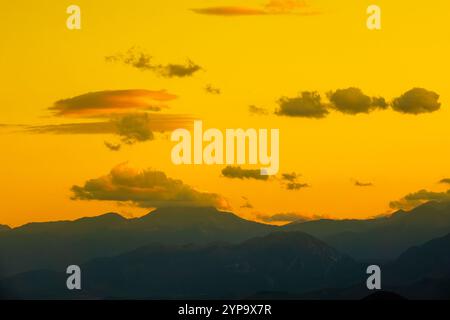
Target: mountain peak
pixel 107 217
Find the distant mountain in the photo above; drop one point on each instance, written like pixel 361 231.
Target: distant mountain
pixel 428 261
pixel 54 245
pixel 285 261
pixel 4 228
pixel 421 272
pixel 382 238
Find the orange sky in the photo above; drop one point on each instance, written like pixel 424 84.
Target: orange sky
pixel 271 52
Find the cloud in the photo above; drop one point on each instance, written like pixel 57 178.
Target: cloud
pixel 146 189
pixel 130 127
pixel 239 173
pixel 178 70
pixel 445 181
pixel 354 101
pixel 291 177
pixel 134 128
pixel 113 146
pixel 417 101
pixel 257 110
pixel 273 7
pixel 363 184
pixel 230 11
pixel 415 199
pixel 105 103
pixel 307 105
pixel 296 186
pixel 133 57
pixel 291 180
pixel 212 90
pixel 138 59
pixel 104 127
pixel 247 204
pixel 288 217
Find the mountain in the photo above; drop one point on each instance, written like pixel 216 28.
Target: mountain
pixel 284 261
pixel 381 239
pixel 428 261
pixel 4 228
pixel 54 245
pixel 421 272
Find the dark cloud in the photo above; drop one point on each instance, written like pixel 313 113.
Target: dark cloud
pixel 363 184
pixel 415 199
pixel 133 57
pixel 134 128
pixel 445 181
pixel 354 101
pixel 291 180
pixel 178 70
pixel 273 7
pixel 105 103
pixel 257 110
pixel 239 173
pixel 307 105
pixel 291 177
pixel 296 186
pixel 113 146
pixel 146 189
pixel 138 59
pixel 213 90
pixel 417 101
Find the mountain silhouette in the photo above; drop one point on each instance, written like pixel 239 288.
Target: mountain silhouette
pixel 428 261
pixel 54 245
pixel 287 261
pixel 4 228
pixel 382 238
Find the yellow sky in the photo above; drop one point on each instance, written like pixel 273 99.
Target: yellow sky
pixel 254 60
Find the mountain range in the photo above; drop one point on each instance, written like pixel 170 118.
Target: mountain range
pixel 205 253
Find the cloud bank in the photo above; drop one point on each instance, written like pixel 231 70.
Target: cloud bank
pixel 146 189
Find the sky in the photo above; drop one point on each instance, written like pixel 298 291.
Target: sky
pixel 86 115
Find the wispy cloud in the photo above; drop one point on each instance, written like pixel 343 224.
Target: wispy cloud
pixel 212 90
pixel 130 128
pixel 141 60
pixel 106 103
pixel 273 7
